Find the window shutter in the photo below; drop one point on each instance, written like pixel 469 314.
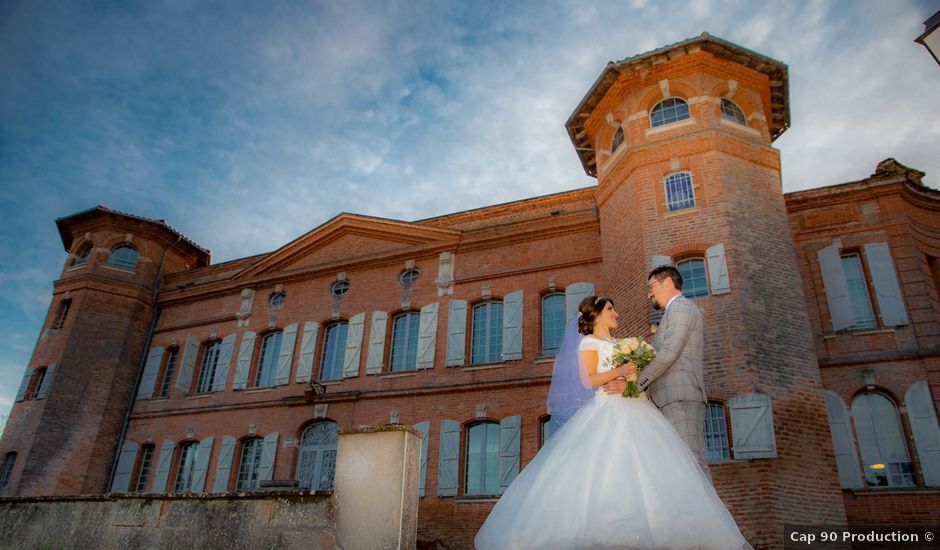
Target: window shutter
pixel 163 466
pixel 923 420
pixel 245 350
pixel 752 426
pixel 456 333
pixel 285 360
pixel 448 458
pixel 376 342
pixel 225 361
pixel 837 289
pixel 427 336
pixel 353 345
pixel 125 467
pixel 185 379
pixel 268 454
pixel 24 384
pixel 223 467
pixel 850 476
pixel 202 465
pixel 512 326
pixel 508 450
pixel 46 382
pixel 573 296
pixel 659 261
pixel 151 369
pixel 885 281
pixel 308 344
pixel 718 270
pixel 424 428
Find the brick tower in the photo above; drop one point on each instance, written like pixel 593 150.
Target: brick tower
pixel 71 405
pixel 680 140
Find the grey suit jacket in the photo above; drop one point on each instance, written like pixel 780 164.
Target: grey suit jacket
pixel 675 374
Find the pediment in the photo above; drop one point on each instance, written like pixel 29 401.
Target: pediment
pixel 346 237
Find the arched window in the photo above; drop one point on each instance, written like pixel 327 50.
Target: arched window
pixel 617 141
pixel 679 193
pixel 409 277
pixel 8 462
pixel 277 300
pixel 553 322
pixel 124 256
pixel 667 111
pixel 405 342
pixel 482 461
pixel 881 441
pixel 64 307
pixel 249 464
pixel 317 463
pixel 210 360
pixel 143 471
pixel 334 347
pixel 267 360
pixel 84 254
pixel 731 111
pixel 339 288
pixel 189 452
pixel 694 279
pixel 486 341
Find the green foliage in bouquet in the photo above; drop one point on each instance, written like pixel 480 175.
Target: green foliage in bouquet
pixel 633 350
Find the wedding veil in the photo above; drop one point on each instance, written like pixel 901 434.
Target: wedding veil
pixel 570 388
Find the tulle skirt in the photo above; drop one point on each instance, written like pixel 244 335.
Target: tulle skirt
pixel 617 475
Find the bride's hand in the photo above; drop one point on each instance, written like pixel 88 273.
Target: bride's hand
pixel 628 369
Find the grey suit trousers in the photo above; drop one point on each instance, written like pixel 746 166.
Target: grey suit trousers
pixel 687 418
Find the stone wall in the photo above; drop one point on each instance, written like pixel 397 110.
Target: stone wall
pixel 374 505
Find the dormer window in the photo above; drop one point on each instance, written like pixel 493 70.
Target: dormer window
pixel 731 111
pixel 124 256
pixel 668 111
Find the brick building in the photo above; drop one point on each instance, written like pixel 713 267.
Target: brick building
pixel 159 372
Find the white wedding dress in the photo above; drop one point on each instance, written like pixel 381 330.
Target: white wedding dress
pixel 616 475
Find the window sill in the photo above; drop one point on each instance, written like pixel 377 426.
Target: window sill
pixel 669 126
pixel 544 359
pixel 398 374
pixel 121 269
pixel 859 332
pixel 877 491
pixel 199 396
pixel 329 382
pixel 75 267
pixel 474 499
pixel 739 127
pixel 682 211
pixel 484 366
pixel 262 389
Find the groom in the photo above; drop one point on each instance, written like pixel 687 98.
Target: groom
pixel 673 380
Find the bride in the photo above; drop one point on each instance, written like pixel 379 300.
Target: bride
pixel 615 475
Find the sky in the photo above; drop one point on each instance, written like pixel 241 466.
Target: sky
pixel 246 124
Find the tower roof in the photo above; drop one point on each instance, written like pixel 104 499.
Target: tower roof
pixel 775 70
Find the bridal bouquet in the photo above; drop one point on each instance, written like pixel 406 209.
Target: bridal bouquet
pixel 635 350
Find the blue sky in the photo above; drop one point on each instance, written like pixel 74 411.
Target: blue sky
pixel 245 124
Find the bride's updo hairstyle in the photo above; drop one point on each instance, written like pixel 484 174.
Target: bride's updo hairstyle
pixel 590 308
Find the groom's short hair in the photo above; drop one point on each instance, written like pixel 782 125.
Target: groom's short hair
pixel 667 271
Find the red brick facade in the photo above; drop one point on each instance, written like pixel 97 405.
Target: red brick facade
pixel 768 332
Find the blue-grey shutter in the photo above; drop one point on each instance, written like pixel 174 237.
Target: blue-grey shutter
pixel 223 467
pixel 188 365
pixel 163 466
pixel 353 353
pixel 424 428
pixel 127 459
pixel 718 270
pixel 24 384
pixel 509 429
pixel 151 369
pixel 268 454
pixel 285 360
pixel 308 344
pixel 43 390
pixel 223 364
pixel 512 326
pixel 448 458
pixel 752 426
pixel 201 467
pixel 245 351
pixel 376 342
pixel 837 288
pixel 573 296
pixel 659 261
pixel 427 336
pixel 924 428
pixel 655 316
pixel 456 333
pixel 885 281
pixel 843 443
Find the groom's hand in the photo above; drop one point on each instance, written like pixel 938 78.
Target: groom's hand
pixel 615 387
